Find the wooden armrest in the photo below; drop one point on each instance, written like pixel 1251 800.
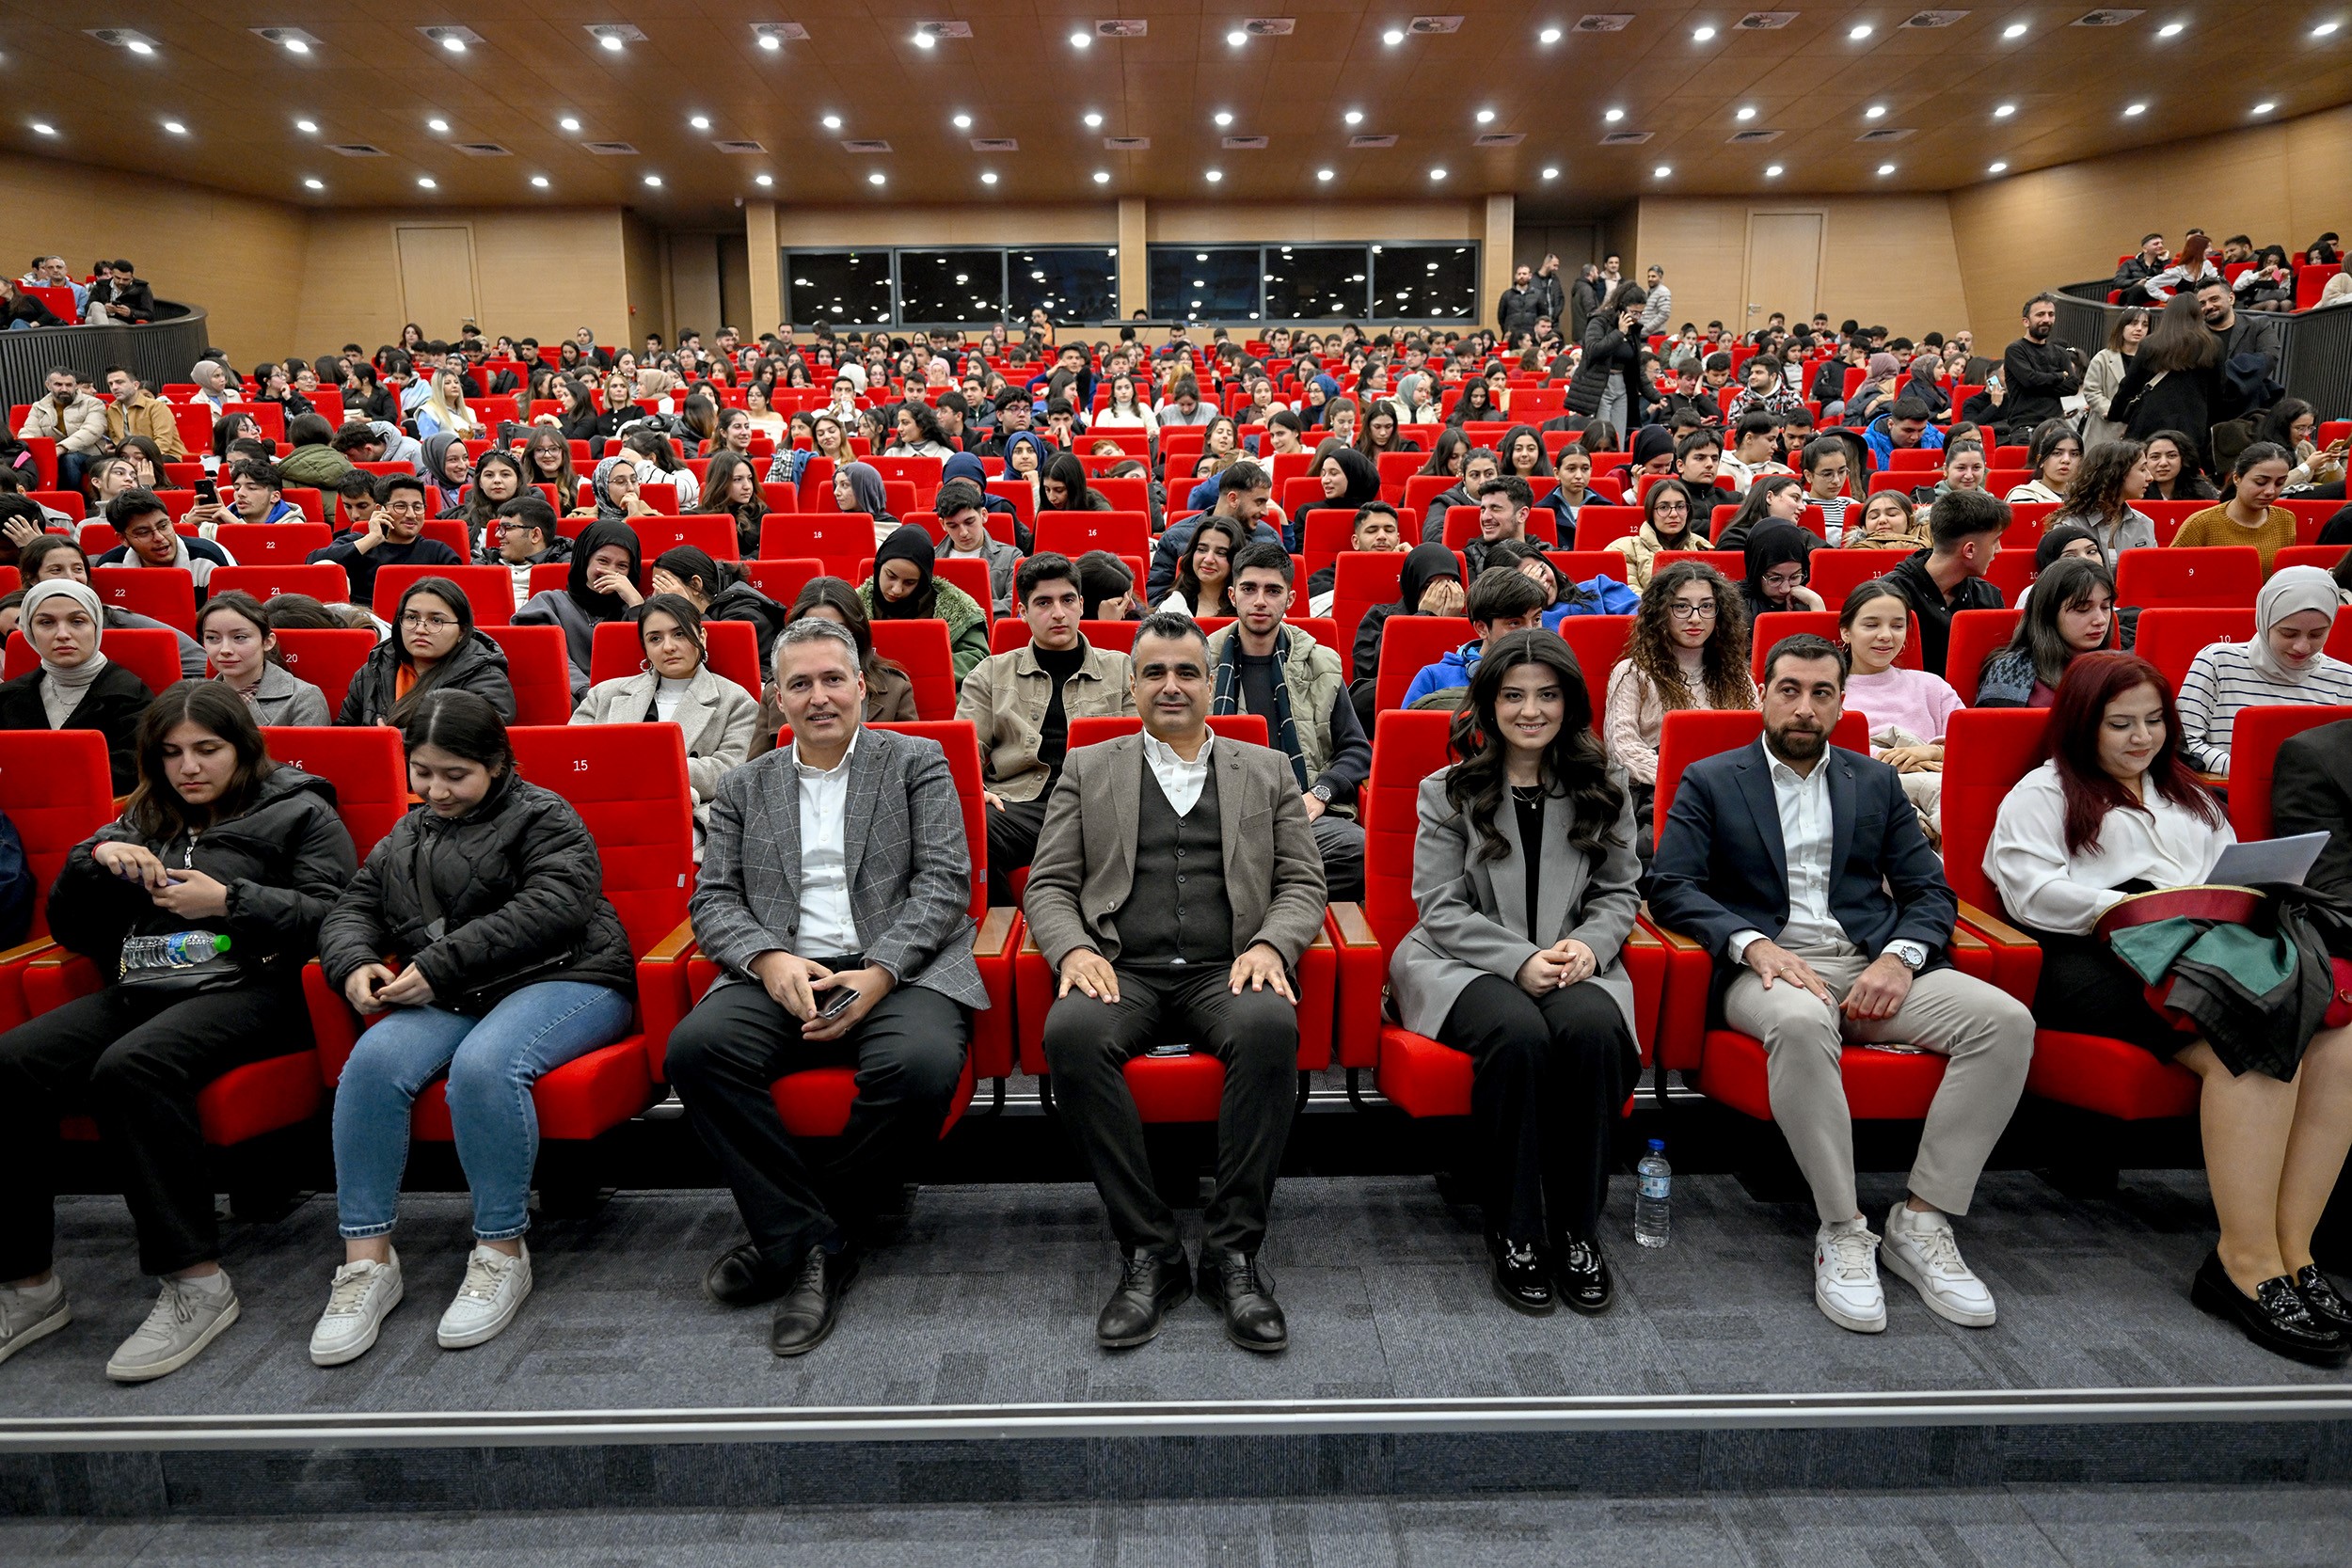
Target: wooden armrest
pixel 1997 930
pixel 26 952
pixel 1641 936
pixel 994 931
pixel 675 946
pixel 1028 940
pixel 1966 939
pixel 1676 942
pixel 1353 929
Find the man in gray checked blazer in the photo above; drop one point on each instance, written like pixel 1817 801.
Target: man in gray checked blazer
pixel 1175 888
pixel 835 867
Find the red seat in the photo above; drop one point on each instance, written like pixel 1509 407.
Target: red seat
pixel 324 581
pixel 1774 624
pixel 711 532
pixel 2254 742
pixel 166 594
pixel 2169 515
pixel 364 763
pixel 1073 534
pixel 1360 579
pixel 490 590
pixel 1976 635
pixel 67 502
pixel 1599 642
pixel 57 789
pixel 781 580
pixel 538 668
pixel 731 648
pixel 2170 639
pixel 921 649
pixel 2011 571
pixel 1407 644
pixel 2224 574
pixel 150 653
pixel 1834 574
pixel 1985 752
pixel 1731 563
pixel 327 656
pixel 839 539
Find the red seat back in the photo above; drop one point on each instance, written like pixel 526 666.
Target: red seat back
pixel 324 581
pixel 1975 633
pixel 2225 575
pixel 539 670
pixel 166 594
pixel 1407 644
pixel 1360 580
pixel 628 781
pixel 57 789
pixel 731 646
pixel 1834 574
pixel 1073 534
pixel 1599 642
pixel 1407 748
pixel 711 532
pixel 1986 750
pixel 2172 638
pixel 2169 515
pixel 490 590
pixel 364 763
pixel 327 656
pixel 2254 741
pixel 781 580
pixel 839 539
pixel 921 649
pixel 1694 734
pixel 150 653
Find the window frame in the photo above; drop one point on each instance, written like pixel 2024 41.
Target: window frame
pixel 1264 320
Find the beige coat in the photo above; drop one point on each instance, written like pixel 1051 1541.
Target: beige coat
pixel 80 427
pixel 1641 550
pixel 717 716
pixel 150 416
pixel 1005 698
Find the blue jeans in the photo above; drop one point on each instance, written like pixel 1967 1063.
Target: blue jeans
pixel 492 1062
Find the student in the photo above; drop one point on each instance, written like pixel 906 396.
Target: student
pixel 524 534
pixel 1020 704
pixel 1670 521
pixel 731 488
pixel 77 687
pixel 1502 508
pixel 904 589
pixel 961 508
pixel 1947 577
pixel 2070 613
pixel 1828 462
pixel 2252 514
pixel 2173 469
pixel 600 585
pixel 1777 571
pixel 2055 451
pixel 505 961
pixel 243 650
pixel 1688 649
pixel 1774 497
pixel 1751 457
pixel 2116 810
pixel 217 838
pixel 1376 531
pixel 1261 665
pixel 1526 882
pixel 1500 600
pixel 1204 583
pixel 1480 468
pixel 677 686
pixel 1906 711
pixel 140 520
pixel 1574 467
pixel 2041 374
pixel 392 536
pixel 434 646
pixel 2284 662
pixel 2099 496
pixel 1834 927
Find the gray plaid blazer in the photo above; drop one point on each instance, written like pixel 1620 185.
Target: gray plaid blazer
pixel 910 866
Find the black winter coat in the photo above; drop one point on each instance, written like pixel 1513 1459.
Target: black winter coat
pixel 112 704
pixel 284 862
pixel 479 665
pixel 519 888
pixel 740 601
pixel 1608 352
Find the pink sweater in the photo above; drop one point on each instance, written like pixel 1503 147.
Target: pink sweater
pixel 1910 700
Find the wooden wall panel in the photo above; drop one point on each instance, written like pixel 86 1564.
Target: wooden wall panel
pixel 1888 260
pixel 640 280
pixel 542 273
pixel 1096 224
pixel 1205 222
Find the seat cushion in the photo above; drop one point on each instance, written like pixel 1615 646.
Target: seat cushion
pixel 1420 1077
pixel 586 1097
pixel 2109 1076
pixel 815 1104
pixel 1177 1089
pixel 1880 1086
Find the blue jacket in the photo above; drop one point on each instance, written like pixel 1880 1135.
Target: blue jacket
pixel 1721 867
pixel 1882 443
pixel 1454 670
pixel 1605 594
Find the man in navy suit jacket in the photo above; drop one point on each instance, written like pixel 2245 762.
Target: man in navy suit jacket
pixel 1803 868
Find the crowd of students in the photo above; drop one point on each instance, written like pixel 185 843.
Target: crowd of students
pixel 1174 880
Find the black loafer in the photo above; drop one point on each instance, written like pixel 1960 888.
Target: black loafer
pixel 1232 1283
pixel 2321 1299
pixel 2274 1317
pixel 809 1309
pixel 1149 1284
pixel 1522 1282
pixel 1583 1274
pixel 745 1276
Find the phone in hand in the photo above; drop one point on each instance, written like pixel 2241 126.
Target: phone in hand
pixel 207 493
pixel 844 998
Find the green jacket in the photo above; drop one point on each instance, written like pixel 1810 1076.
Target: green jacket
pixel 967 622
pixel 321 467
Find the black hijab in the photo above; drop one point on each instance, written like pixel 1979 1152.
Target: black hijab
pixel 1423 565
pixel 909 542
pixel 596 536
pixel 1363 479
pixel 1775 544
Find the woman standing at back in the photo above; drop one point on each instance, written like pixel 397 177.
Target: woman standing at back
pixel 2172 379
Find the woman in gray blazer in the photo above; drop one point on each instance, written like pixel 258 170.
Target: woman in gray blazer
pixel 1524 873
pixel 677 686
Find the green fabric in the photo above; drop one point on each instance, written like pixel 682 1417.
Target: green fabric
pixel 2150 949
pixel 2260 963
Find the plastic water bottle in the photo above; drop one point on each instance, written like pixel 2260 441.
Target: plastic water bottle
pixel 174 950
pixel 1653 1211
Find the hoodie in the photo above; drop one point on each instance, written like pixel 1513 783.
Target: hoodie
pixel 1882 442
pixel 1451 672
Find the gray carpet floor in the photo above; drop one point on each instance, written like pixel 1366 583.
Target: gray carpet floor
pixel 991 1293
pixel 2023 1527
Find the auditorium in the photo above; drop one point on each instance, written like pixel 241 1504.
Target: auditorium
pixel 1173 787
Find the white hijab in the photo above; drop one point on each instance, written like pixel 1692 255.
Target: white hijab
pixel 2291 591
pixel 63 686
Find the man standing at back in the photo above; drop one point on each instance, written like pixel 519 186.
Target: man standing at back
pixel 1803 871
pixel 2038 373
pixel 1175 889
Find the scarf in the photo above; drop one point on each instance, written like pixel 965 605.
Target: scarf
pixel 2291 591
pixel 607 509
pixel 600 607
pixel 866 485
pixel 1424 564
pixel 437 470
pixel 909 542
pixel 1227 696
pixel 65 685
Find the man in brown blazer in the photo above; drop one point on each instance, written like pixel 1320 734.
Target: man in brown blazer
pixel 1175 888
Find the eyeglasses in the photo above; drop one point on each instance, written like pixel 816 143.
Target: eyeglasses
pixel 415 622
pixel 1704 611
pixel 1678 509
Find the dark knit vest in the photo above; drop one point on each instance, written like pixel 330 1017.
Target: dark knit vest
pixel 1177 912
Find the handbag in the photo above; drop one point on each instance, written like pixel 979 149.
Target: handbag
pixel 217 973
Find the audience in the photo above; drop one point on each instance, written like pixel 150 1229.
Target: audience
pixel 2284 662
pixel 1905 711
pixel 1500 600
pixel 2070 613
pixel 2252 514
pixel 434 646
pixel 241 647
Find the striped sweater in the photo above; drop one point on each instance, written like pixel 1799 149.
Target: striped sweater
pixel 2223 679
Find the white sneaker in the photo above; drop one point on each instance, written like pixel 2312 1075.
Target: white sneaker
pixel 362 1296
pixel 1922 1249
pixel 28 1315
pixel 1846 1278
pixel 188 1315
pixel 495 1290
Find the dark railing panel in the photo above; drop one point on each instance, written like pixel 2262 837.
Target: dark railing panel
pixel 156 352
pixel 2317 346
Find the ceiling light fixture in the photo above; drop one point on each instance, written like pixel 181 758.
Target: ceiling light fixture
pixel 295 46
pixel 569 124
pixel 1094 123
pixel 2323 29
pixel 1876 111
pixel 832 122
pixel 2264 108
pixel 1214 175
pixel 2170 29
pixel 988 177
pixel 1236 37
pixel 539 181
pixel 175 128
pixel 1887 168
pixel 963 122
pixel 1551 173
pixel 457 46
pixel 2014 30
pixel 1747 112
pixel 700 122
pixel 1082 40
pixel 428 183
pixel 1102 177
pixel 1701 35
pixel 1224 118
pixel 1436 174
pixel 1859 32
pixel 875 179
pixel 307 127
pixel 2004 111
pixel 763 180
pixel 1771 171
pixel 1613 115
pixel 611 41
pixel 653 179
pixel 1997 168
pixel 315 184
pixel 2132 111
pixel 436 124
pixel 924 41
pixel 1550 35
pixel 1325 175
pixel 44 128
pixel 1486 116
pixel 1354 117
pixel 771 41
pixel 1393 37
pixel 1662 171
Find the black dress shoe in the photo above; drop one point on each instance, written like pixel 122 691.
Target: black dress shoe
pixel 1583 1274
pixel 1150 1283
pixel 1232 1283
pixel 1522 1282
pixel 2274 1317
pixel 808 1310
pixel 2320 1298
pixel 745 1276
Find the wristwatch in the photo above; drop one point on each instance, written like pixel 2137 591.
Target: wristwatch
pixel 1322 792
pixel 1909 955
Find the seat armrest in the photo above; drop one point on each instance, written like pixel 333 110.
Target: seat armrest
pixel 334 1027
pixel 994 1037
pixel 57 978
pixel 2016 956
pixel 1995 930
pixel 24 952
pixel 661 993
pixel 1363 980
pixel 1646 960
pixel 993 940
pixel 1688 989
pixel 673 947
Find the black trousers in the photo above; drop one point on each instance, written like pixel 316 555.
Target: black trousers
pixel 136 1064
pixel 2086 989
pixel 1088 1044
pixel 1012 844
pixel 908 1050
pixel 1548 1079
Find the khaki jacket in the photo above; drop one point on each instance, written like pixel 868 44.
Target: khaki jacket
pixel 82 427
pixel 1005 697
pixel 150 416
pixel 1312 676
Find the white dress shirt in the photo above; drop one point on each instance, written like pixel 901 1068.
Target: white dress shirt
pixel 1180 780
pixel 1807 837
pixel 827 929
pixel 2044 887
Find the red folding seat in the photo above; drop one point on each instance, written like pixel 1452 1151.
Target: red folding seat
pixel 364 763
pixel 731 648
pixel 453 533
pixel 2254 742
pixel 538 667
pixel 1407 644
pixel 151 653
pixel 921 649
pixel 711 532
pixel 1419 490
pixel 2310 517
pixel 324 581
pixel 489 590
pixel 1019 492
pixel 781 580
pixel 1976 635
pixel 2173 637
pixel 1073 534
pixel 1916 460
pixel 67 502
pixel 57 789
pixel 313 504
pixel 97 538
pixel 1834 574
pixel 2220 575
pixel 2169 515
pixel 1731 563
pixel 839 539
pixel 1597 527
pixel 923 473
pixel 1599 642
pixel 2011 571
pixel 1183 1088
pixel 327 656
pixel 166 594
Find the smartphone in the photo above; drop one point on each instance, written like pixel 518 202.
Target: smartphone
pixel 844 998
pixel 207 492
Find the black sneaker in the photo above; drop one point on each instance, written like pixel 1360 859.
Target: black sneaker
pixel 2274 1317
pixel 1522 1279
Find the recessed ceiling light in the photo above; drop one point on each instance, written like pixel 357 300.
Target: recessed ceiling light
pixel 2171 30
pixel 1236 37
pixel 2264 108
pixel 1094 123
pixel 963 122
pixel 1214 175
pixel 832 122
pixel 2323 29
pixel 1223 118
pixel 1662 171
pixel 2133 110
pixel 1997 168
pixel 1436 174
pixel 1325 174
pixel 1887 168
pixel 295 46
pixel 175 128
pixel 1102 177
pixel 700 122
pixel 569 124
pixel 769 40
pixel 1746 112
pixel 1486 116
pixel 1771 171
pixel 315 184
pixel 1861 31
pixel 653 179
pixel 1876 111
pixel 1702 34
pixel 307 127
pixel 1082 40
pixel 539 181
pixel 763 180
pixel 2004 111
pixel 988 177
pixel 2014 30
pixel 457 46
pixel 428 183
pixel 924 41
pixel 1613 115
pixel 436 124
pixel 1354 117
pixel 1393 37
pixel 44 128
pixel 1551 173
pixel 1550 35
pixel 611 41
pixel 875 179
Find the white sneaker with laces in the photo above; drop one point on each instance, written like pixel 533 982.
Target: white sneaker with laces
pixel 1846 1278
pixel 495 1290
pixel 188 1315
pixel 30 1314
pixel 1922 1249
pixel 364 1294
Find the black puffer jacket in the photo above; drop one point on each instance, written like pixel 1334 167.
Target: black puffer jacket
pixel 284 862
pixel 479 666
pixel 1608 352
pixel 740 601
pixel 518 884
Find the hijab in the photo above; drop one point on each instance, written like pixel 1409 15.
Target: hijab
pixel 1882 366
pixel 1775 544
pixel 2291 591
pixel 1364 478
pixel 908 542
pixel 967 468
pixel 1651 441
pixel 63 685
pixel 1423 565
pixel 1027 437
pixel 436 468
pixel 607 509
pixel 866 485
pixel 2054 540
pixel 596 536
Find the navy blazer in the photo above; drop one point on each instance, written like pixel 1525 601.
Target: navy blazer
pixel 1721 867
